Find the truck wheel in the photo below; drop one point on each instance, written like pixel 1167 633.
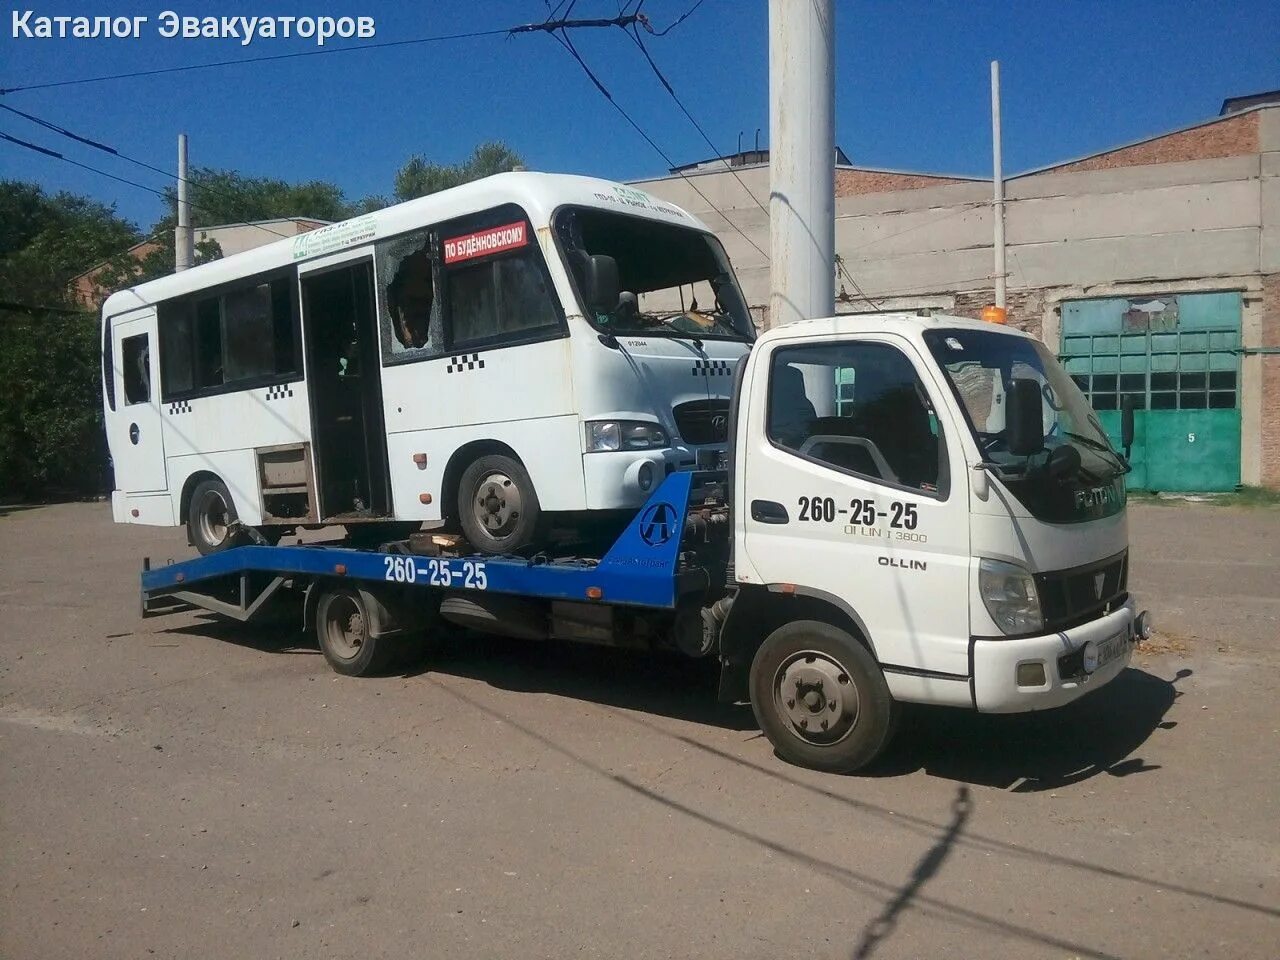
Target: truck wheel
pixel 497 506
pixel 211 517
pixel 820 697
pixel 342 628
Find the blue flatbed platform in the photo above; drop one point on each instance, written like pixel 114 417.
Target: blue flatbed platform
pixel 641 569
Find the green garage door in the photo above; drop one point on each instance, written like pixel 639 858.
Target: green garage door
pixel 1176 358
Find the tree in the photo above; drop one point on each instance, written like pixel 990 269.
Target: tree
pixel 418 177
pixel 50 412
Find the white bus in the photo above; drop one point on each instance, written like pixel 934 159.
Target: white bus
pixel 495 356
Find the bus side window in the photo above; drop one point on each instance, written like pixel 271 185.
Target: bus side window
pixel 408 297
pixel 505 298
pixel 245 336
pixel 135 360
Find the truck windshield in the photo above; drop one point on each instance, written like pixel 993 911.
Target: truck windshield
pixel 980 364
pixel 674 281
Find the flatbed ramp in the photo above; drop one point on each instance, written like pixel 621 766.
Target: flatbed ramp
pixel 643 568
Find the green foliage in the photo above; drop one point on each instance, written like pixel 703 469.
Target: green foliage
pixel 418 177
pixel 224 196
pixel 51 437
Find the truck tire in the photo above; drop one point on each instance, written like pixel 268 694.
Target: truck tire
pixel 342 628
pixel 820 697
pixel 211 518
pixel 497 505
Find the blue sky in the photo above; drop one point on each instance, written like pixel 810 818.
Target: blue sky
pixel 911 88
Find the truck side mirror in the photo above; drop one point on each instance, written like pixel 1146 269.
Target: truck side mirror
pixel 1126 425
pixel 1024 417
pixel 600 282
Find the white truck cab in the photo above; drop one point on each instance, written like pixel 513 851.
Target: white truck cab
pixel 938 489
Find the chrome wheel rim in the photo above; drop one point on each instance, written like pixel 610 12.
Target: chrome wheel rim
pixel 214 518
pixel 497 505
pixel 816 697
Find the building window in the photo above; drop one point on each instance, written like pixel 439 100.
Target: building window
pixel 858 407
pixel 1159 352
pixel 135 358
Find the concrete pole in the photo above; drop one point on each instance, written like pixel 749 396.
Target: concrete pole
pixel 184 239
pixel 801 160
pixel 997 180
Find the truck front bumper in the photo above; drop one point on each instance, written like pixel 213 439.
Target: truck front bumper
pixel 999 686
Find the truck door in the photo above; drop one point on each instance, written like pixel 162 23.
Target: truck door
pixel 851 491
pixel 136 444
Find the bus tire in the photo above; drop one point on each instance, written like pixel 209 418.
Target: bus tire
pixel 211 518
pixel 821 698
pixel 343 624
pixel 497 506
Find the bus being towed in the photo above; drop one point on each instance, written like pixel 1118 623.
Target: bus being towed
pixel 519 349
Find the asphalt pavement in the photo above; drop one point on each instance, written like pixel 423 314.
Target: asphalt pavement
pixel 183 787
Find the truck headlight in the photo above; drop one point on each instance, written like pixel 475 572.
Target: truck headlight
pixel 605 435
pixel 1009 594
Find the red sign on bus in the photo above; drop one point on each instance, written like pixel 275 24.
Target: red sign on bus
pixel 484 242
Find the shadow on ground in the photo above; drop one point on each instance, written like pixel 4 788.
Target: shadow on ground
pixel 1099 734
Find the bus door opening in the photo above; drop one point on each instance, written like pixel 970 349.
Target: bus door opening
pixel 343 373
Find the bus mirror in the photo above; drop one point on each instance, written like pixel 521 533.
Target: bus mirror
pixel 1126 425
pixel 1024 417
pixel 600 283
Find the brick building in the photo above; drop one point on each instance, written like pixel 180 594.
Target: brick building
pixel 231 238
pixel 1151 268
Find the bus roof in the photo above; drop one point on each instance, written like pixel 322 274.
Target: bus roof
pixel 538 193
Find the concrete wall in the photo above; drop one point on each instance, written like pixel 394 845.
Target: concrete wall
pixel 1198 209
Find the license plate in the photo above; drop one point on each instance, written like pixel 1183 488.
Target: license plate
pixel 1112 649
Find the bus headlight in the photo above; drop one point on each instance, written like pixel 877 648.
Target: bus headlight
pixel 607 435
pixel 1009 594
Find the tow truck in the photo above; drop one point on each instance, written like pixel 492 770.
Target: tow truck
pixel 913 510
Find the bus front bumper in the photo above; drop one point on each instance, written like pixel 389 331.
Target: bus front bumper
pixel 623 479
pixel 1039 673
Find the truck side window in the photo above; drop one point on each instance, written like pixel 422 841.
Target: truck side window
pixel 858 407
pixel 136 367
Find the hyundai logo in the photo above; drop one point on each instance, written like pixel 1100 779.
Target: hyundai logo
pixel 1098 581
pixel 720 424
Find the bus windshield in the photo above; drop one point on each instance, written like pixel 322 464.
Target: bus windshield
pixel 674 281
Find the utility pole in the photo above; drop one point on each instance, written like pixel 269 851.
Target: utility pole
pixel 184 239
pixel 997 180
pixel 801 160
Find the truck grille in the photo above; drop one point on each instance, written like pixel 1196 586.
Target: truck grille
pixel 1072 597
pixel 703 421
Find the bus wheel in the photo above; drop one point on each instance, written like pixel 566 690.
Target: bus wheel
pixel 820 697
pixel 497 505
pixel 211 517
pixel 342 628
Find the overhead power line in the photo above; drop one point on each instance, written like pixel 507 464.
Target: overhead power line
pixel 839 264
pixel 76 163
pixel 565 42
pixel 37 310
pixel 324 51
pixel 71 135
pixel 547 26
